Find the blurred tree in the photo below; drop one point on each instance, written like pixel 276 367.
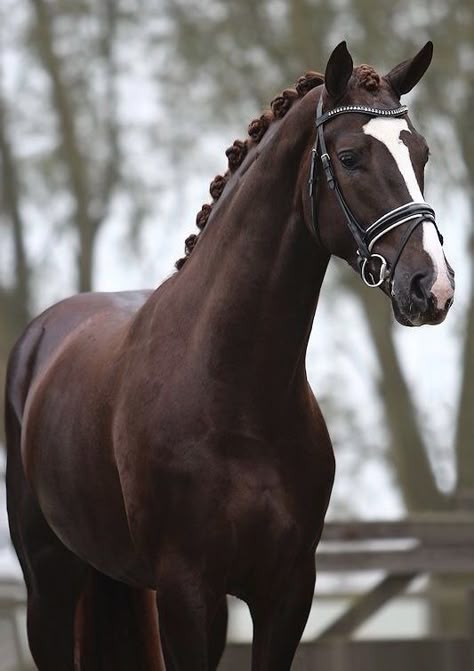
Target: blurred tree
pixel 61 138
pixel 90 179
pixel 447 94
pixel 14 296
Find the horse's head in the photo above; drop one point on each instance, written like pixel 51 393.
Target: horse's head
pixel 367 191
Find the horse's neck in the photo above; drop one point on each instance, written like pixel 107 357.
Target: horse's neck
pixel 255 275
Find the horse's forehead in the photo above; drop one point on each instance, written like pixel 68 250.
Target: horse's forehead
pixel 388 132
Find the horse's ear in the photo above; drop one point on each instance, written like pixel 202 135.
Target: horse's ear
pixel 338 71
pixel 406 75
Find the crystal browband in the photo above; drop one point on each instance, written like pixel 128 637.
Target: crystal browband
pixel 362 109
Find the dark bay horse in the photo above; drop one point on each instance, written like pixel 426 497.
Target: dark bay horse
pixel 165 448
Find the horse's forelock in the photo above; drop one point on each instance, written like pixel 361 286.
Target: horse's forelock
pixel 367 78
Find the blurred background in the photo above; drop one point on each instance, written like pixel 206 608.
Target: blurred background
pixel 114 118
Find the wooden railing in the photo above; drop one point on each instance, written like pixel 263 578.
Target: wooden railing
pixel 431 544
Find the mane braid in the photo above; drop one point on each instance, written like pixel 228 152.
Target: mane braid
pixel 236 153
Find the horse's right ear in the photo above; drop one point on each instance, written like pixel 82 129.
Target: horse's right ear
pixel 338 71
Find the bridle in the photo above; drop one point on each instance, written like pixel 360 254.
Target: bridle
pixel 412 214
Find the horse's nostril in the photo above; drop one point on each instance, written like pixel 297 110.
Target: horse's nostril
pixel 421 297
pixel 418 288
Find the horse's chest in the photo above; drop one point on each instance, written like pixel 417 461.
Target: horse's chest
pixel 259 496
pixel 266 530
pixel 265 510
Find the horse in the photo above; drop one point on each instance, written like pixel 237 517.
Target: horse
pixel 164 447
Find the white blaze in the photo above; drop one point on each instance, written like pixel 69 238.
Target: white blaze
pixel 388 132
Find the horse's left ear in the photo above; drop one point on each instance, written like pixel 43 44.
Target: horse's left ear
pixel 406 75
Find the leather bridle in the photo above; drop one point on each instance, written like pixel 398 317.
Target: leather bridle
pixel 412 214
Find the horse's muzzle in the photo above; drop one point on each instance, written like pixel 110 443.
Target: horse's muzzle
pixel 416 304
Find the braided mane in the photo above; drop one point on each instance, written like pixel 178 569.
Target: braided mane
pixel 365 76
pixel 236 153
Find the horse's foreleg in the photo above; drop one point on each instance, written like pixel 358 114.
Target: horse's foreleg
pixel 279 621
pixel 53 575
pixel 116 627
pixel 217 633
pixel 192 623
pixel 54 582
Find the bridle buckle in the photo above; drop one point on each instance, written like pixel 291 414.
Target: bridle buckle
pixel 326 163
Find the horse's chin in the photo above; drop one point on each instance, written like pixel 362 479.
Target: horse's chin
pixel 432 318
pixel 401 318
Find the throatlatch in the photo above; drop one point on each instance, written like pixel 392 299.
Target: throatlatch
pixel 411 213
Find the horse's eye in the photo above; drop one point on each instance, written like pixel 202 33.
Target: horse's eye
pixel 348 160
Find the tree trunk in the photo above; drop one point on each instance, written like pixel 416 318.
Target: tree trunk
pixel 465 425
pixel 75 163
pixel 20 303
pixel 15 301
pixel 411 465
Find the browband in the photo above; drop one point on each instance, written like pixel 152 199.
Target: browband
pixel 361 109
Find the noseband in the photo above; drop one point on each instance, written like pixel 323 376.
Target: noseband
pixel 412 214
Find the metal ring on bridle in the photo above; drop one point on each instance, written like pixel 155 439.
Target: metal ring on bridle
pixel 382 273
